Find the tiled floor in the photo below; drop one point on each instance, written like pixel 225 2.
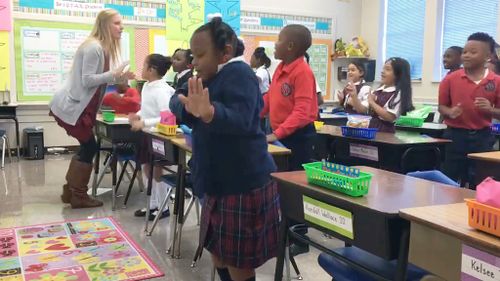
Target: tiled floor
pixel 29 194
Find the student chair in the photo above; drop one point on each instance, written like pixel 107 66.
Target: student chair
pixel 5 143
pixel 433 175
pixel 126 160
pixel 342 271
pixel 420 158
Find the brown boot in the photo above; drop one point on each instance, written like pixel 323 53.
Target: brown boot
pixel 72 170
pixel 78 183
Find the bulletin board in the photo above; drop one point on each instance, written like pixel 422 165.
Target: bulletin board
pixel 44 55
pixel 319 53
pixel 159 44
pixel 4 61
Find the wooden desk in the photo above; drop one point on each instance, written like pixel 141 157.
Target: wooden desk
pixel 435 130
pixel 376 225
pixel 438 234
pixel 116 133
pixel 487 164
pixel 9 111
pixel 387 151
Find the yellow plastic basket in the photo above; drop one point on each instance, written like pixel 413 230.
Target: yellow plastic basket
pixel 168 130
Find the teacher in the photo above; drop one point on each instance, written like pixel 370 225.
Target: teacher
pixel 75 105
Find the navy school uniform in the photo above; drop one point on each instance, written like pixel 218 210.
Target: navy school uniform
pixel 232 166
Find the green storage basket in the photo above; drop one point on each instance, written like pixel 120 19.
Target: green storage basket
pixel 353 186
pixel 410 121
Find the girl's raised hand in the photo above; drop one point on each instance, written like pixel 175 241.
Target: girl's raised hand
pixel 351 89
pixel 198 100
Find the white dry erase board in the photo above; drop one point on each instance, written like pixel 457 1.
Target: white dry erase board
pixel 44 55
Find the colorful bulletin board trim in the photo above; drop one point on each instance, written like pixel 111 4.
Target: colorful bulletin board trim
pixel 141 11
pixel 87 250
pixel 319 52
pixel 44 54
pixel 229 9
pixel 5 15
pixel 273 23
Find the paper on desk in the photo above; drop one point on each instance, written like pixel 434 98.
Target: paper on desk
pixel 121 119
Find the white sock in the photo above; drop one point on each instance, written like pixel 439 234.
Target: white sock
pixel 162 190
pixel 153 204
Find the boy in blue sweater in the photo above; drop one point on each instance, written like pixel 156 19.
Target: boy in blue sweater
pixel 240 215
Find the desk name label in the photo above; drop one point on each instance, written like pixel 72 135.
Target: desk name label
pixel 479 265
pixel 329 217
pixel 158 147
pixel 363 151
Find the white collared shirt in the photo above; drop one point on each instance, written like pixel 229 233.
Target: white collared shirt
pixel 362 95
pixel 236 59
pixel 264 77
pixel 395 102
pixel 155 98
pixel 182 73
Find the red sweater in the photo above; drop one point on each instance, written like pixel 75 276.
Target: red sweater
pixel 130 102
pixel 291 102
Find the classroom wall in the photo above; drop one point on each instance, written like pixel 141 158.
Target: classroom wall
pixel 426 90
pixel 347 23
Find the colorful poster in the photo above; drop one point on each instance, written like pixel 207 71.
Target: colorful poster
pixel 318 61
pixel 229 9
pixel 183 17
pixel 4 61
pixel 45 55
pixel 5 15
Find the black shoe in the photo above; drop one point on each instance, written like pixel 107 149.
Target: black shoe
pixel 164 214
pixel 296 249
pixel 142 212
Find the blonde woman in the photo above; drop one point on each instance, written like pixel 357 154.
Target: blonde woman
pixel 75 105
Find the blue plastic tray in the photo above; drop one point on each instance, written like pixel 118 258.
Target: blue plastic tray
pixel 363 133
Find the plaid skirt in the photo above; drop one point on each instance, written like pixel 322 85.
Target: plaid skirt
pixel 242 229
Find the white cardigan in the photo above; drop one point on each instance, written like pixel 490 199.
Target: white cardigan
pixel 85 77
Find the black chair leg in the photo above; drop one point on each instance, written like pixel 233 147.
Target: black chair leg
pixel 122 172
pixel 295 267
pixel 134 175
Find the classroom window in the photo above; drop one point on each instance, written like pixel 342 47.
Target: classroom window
pixel 404 32
pixel 462 18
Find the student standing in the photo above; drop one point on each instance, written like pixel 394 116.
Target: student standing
pixel 292 103
pixel 182 66
pixel 240 214
pixel 156 96
pixel 452 58
pixel 261 63
pixel 75 105
pixel 468 100
pixel 355 76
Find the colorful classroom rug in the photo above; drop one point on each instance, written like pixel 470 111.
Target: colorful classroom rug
pixel 86 250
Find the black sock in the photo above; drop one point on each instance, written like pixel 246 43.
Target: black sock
pixel 251 279
pixel 224 274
